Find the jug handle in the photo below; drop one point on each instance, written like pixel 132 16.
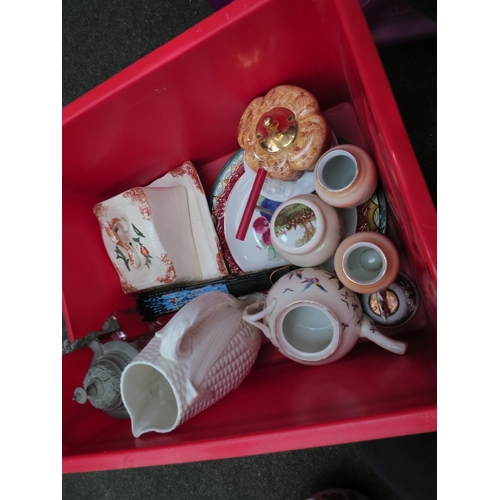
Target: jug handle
pixel 190 325
pixel 109 228
pixel 368 331
pixel 254 319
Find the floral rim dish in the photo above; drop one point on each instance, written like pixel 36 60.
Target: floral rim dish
pixel 228 199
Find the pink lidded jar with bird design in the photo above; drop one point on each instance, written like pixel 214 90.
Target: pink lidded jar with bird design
pixel 312 318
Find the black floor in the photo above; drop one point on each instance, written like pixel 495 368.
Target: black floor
pixel 382 470
pixel 101 38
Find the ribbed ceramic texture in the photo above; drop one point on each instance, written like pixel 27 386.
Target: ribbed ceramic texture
pixel 226 374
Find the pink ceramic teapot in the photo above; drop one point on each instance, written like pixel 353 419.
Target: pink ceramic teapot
pixel 311 318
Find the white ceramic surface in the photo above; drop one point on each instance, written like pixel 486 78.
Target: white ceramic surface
pixel 205 238
pixel 312 319
pixel 204 352
pixel 252 253
pixel 306 231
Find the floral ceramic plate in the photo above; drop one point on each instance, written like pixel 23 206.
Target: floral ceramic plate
pixel 227 202
pixel 229 196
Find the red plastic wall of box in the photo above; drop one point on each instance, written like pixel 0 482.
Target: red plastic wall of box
pixel 183 101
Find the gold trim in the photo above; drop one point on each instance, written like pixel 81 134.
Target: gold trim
pixel 277 270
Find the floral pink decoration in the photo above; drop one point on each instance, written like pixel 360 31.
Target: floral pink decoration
pixel 261 226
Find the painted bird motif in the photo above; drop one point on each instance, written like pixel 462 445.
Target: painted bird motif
pixel 312 281
pixel 297 272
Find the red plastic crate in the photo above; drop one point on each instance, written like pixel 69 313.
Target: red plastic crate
pixel 183 102
pixel 390 21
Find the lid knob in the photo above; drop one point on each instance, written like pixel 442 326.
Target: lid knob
pixel 80 395
pixel 276 130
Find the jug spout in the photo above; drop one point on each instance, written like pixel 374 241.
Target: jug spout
pixel 149 398
pixel 204 352
pixel 368 331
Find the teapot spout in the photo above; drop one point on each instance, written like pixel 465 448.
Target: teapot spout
pixel 368 331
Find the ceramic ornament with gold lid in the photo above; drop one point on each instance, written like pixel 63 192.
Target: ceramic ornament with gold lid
pixel 283 133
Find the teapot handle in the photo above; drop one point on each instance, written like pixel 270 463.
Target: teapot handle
pixel 254 319
pixel 368 331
